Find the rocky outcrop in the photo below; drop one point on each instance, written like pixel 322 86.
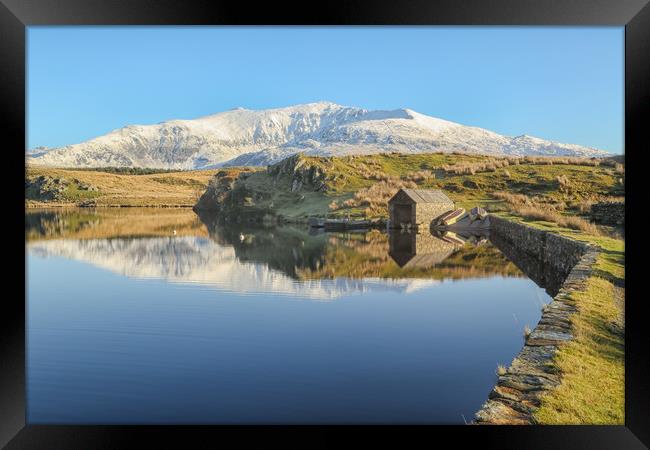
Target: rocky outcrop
pixel 217 195
pixel 246 194
pixel 519 388
pixel 47 188
pixel 301 174
pixel 229 199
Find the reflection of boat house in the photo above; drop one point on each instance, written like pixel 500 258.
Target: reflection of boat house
pixel 410 250
pixel 417 207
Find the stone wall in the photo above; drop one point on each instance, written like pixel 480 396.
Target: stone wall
pixel 608 213
pixel 425 213
pixel 560 252
pixel 519 388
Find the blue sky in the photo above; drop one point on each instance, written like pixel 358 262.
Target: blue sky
pixel 559 83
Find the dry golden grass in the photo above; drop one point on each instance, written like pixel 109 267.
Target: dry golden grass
pixel 533 209
pixel 549 215
pixel 419 176
pixel 377 195
pixel 160 189
pixel 491 164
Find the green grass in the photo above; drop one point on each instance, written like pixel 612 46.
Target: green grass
pixel 346 176
pixel 592 390
pixel 593 363
pixel 74 193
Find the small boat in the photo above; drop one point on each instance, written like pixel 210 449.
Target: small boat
pixel 451 217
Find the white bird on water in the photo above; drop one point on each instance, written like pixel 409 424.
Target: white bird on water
pixel 174 232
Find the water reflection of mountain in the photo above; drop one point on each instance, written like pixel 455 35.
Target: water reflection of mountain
pixel 287 249
pixel 201 260
pixel 174 245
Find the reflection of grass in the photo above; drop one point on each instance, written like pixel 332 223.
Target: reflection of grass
pixel 83 223
pixel 366 255
pixel 592 365
pixel 48 223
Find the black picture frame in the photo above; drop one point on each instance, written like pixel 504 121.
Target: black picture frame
pixel 16 15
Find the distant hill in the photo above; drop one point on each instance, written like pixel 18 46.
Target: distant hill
pixel 305 186
pixel 242 137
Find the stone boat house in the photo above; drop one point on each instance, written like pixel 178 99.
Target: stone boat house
pixel 417 207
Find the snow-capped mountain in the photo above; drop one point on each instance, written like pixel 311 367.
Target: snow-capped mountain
pixel 246 137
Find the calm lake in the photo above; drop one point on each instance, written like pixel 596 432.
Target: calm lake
pixel 156 316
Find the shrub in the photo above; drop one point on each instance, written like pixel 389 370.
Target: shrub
pixel 513 199
pixel 548 215
pixel 420 176
pixel 535 209
pixel 376 196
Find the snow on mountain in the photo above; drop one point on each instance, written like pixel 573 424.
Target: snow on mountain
pixel 246 137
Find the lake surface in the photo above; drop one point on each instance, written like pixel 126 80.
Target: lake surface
pixel 156 316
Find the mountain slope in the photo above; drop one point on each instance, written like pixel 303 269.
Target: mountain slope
pixel 246 137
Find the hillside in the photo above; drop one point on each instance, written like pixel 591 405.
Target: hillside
pixel 256 138
pixel 64 187
pixel 304 186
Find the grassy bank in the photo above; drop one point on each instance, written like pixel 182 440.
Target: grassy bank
pixel 593 363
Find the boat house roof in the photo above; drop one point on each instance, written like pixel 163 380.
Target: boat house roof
pixel 423 196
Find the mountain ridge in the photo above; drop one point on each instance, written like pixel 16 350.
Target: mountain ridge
pixel 239 137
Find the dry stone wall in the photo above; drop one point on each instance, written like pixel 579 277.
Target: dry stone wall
pixel 518 390
pixel 608 213
pixel 427 212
